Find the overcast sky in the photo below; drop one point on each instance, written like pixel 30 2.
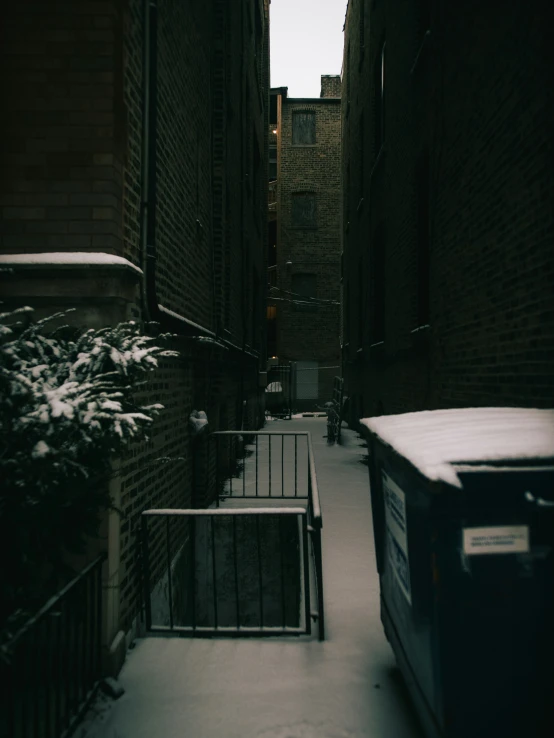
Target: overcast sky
pixel 306 42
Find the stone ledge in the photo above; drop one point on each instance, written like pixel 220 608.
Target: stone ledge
pixel 68 260
pixel 103 287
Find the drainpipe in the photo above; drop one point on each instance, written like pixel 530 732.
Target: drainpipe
pixel 154 311
pixel 149 156
pixel 243 223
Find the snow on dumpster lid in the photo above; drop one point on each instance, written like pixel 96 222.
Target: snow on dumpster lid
pixel 433 440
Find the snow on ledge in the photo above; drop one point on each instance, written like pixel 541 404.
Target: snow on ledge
pixel 68 259
pixel 434 440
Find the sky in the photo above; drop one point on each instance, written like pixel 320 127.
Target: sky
pixel 306 41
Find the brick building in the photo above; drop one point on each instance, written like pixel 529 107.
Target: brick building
pixel 134 138
pixel 447 207
pixel 304 238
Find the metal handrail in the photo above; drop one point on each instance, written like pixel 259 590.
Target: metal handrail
pixel 224 512
pixel 217 629
pixel 313 491
pixel 309 512
pixel 53 663
pixel 54 600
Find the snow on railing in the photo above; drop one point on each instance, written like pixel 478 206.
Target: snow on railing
pixel 249 564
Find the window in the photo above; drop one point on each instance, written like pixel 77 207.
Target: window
pixel 304 286
pixel 303 128
pixel 422 194
pixel 303 210
pixel 377 285
pixel 379 99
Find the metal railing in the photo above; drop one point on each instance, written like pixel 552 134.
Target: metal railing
pixel 52 665
pixel 242 570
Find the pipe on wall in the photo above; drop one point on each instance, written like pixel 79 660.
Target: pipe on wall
pixel 153 309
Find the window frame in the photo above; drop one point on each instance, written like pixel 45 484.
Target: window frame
pixel 294 129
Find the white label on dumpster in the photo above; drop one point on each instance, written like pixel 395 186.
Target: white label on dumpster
pixel 496 540
pixel 397 533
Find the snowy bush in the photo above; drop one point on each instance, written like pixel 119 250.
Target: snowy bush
pixel 66 408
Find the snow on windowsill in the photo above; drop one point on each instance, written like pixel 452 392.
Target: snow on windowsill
pixel 435 440
pixel 67 260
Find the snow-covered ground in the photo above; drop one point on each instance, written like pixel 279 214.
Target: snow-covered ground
pixel 345 687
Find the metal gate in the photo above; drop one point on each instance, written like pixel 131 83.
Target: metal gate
pixel 252 565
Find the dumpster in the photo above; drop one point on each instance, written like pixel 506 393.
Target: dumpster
pixel 278 394
pixel 463 514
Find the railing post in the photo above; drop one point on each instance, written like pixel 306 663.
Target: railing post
pixel 310 501
pixel 282 562
pixel 316 540
pixel 290 391
pixel 214 574
pixel 282 465
pixel 305 557
pixel 257 450
pixel 295 465
pixel 192 534
pixel 260 571
pixel 169 582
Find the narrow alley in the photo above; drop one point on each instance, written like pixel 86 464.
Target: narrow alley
pixel 345 686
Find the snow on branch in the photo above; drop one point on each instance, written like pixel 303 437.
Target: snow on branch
pixel 66 407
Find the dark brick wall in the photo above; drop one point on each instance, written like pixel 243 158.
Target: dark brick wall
pixel 71 162
pixel 184 237
pixel 330 85
pixel 60 147
pixel 209 240
pixel 471 97
pixel 312 334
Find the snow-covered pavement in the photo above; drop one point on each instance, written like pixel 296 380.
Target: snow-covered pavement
pixel 345 687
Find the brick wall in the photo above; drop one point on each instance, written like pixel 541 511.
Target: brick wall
pixel 72 162
pixel 471 98
pixel 309 333
pixel 330 85
pixel 209 242
pixel 61 174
